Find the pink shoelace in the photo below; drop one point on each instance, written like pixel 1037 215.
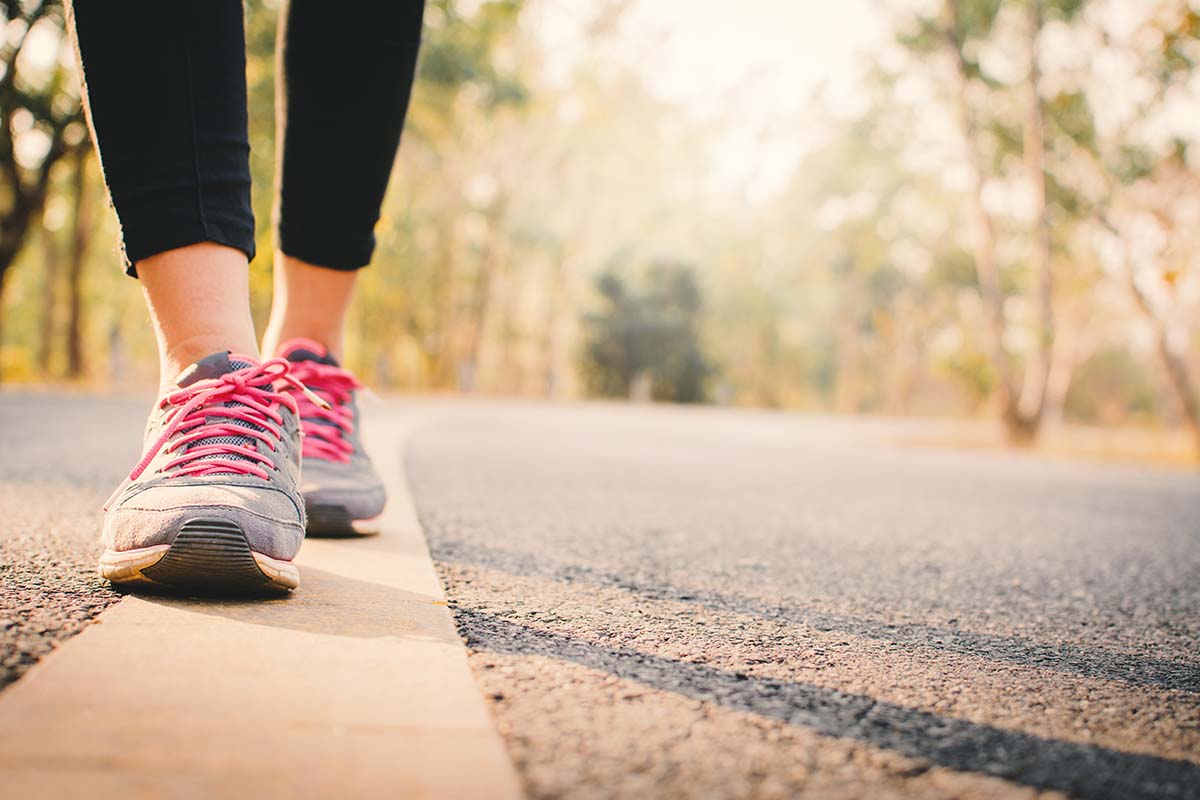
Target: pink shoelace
pixel 326 423
pixel 210 409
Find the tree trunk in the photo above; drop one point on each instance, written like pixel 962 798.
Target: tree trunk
pixel 907 352
pixel 27 202
pixel 1033 394
pixel 1181 380
pixel 766 366
pixel 556 303
pixel 849 394
pixel 1179 374
pixel 7 256
pixel 81 237
pixel 488 285
pixel 1 327
pixel 1021 427
pixel 1176 366
pixel 50 260
pixel 983 235
pixel 27 197
pixel 1068 352
pixel 441 356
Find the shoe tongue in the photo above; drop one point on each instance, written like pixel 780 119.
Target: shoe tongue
pixel 213 366
pixel 307 350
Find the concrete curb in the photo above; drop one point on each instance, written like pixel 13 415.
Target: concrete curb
pixel 358 686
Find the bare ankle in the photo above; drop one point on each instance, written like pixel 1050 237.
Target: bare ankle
pixel 275 338
pixel 199 301
pixel 310 302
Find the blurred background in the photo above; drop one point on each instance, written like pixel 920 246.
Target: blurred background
pixel 983 210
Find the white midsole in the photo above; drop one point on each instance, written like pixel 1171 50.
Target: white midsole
pixel 125 566
pixel 120 565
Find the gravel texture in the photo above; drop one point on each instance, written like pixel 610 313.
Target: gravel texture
pixel 707 603
pixel 62 456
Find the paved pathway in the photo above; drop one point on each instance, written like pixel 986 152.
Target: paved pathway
pixel 356 686
pixel 657 602
pixel 698 603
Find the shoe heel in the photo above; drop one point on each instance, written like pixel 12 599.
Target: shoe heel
pixel 211 556
pixel 330 521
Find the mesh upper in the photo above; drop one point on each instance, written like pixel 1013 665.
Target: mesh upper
pixel 241 441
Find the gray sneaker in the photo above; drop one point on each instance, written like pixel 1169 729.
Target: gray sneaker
pixel 342 491
pixel 214 504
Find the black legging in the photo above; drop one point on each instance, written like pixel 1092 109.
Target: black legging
pixel 166 91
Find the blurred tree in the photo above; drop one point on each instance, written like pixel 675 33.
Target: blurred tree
pixel 41 117
pixel 83 225
pixel 848 278
pixel 1111 384
pixel 1136 180
pixel 51 260
pixel 1025 419
pixel 647 332
pixel 446 209
pixel 961 22
pixel 68 226
pixel 993 133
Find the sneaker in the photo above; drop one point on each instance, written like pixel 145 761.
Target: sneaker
pixel 214 504
pixel 343 493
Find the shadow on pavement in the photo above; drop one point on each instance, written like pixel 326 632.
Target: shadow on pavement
pixel 1141 670
pixel 327 604
pixel 1035 761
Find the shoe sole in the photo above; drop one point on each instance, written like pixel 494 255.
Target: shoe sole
pixel 335 522
pixel 208 556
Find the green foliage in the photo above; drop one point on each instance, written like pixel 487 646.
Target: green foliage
pixel 953 270
pixel 457 52
pixel 822 365
pixel 1110 386
pixel 1179 47
pixel 1071 114
pixel 972 370
pixel 1062 9
pixel 974 20
pixel 884 285
pixel 1132 163
pixel 39 105
pixel 849 285
pixel 647 329
pixel 976 17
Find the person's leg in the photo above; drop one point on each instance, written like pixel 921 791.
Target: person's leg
pixel 165 91
pixel 345 81
pixel 309 302
pixel 214 502
pixel 199 300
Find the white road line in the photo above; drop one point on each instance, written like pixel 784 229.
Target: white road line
pixel 357 686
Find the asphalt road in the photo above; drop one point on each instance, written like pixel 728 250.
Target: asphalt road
pixel 703 603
